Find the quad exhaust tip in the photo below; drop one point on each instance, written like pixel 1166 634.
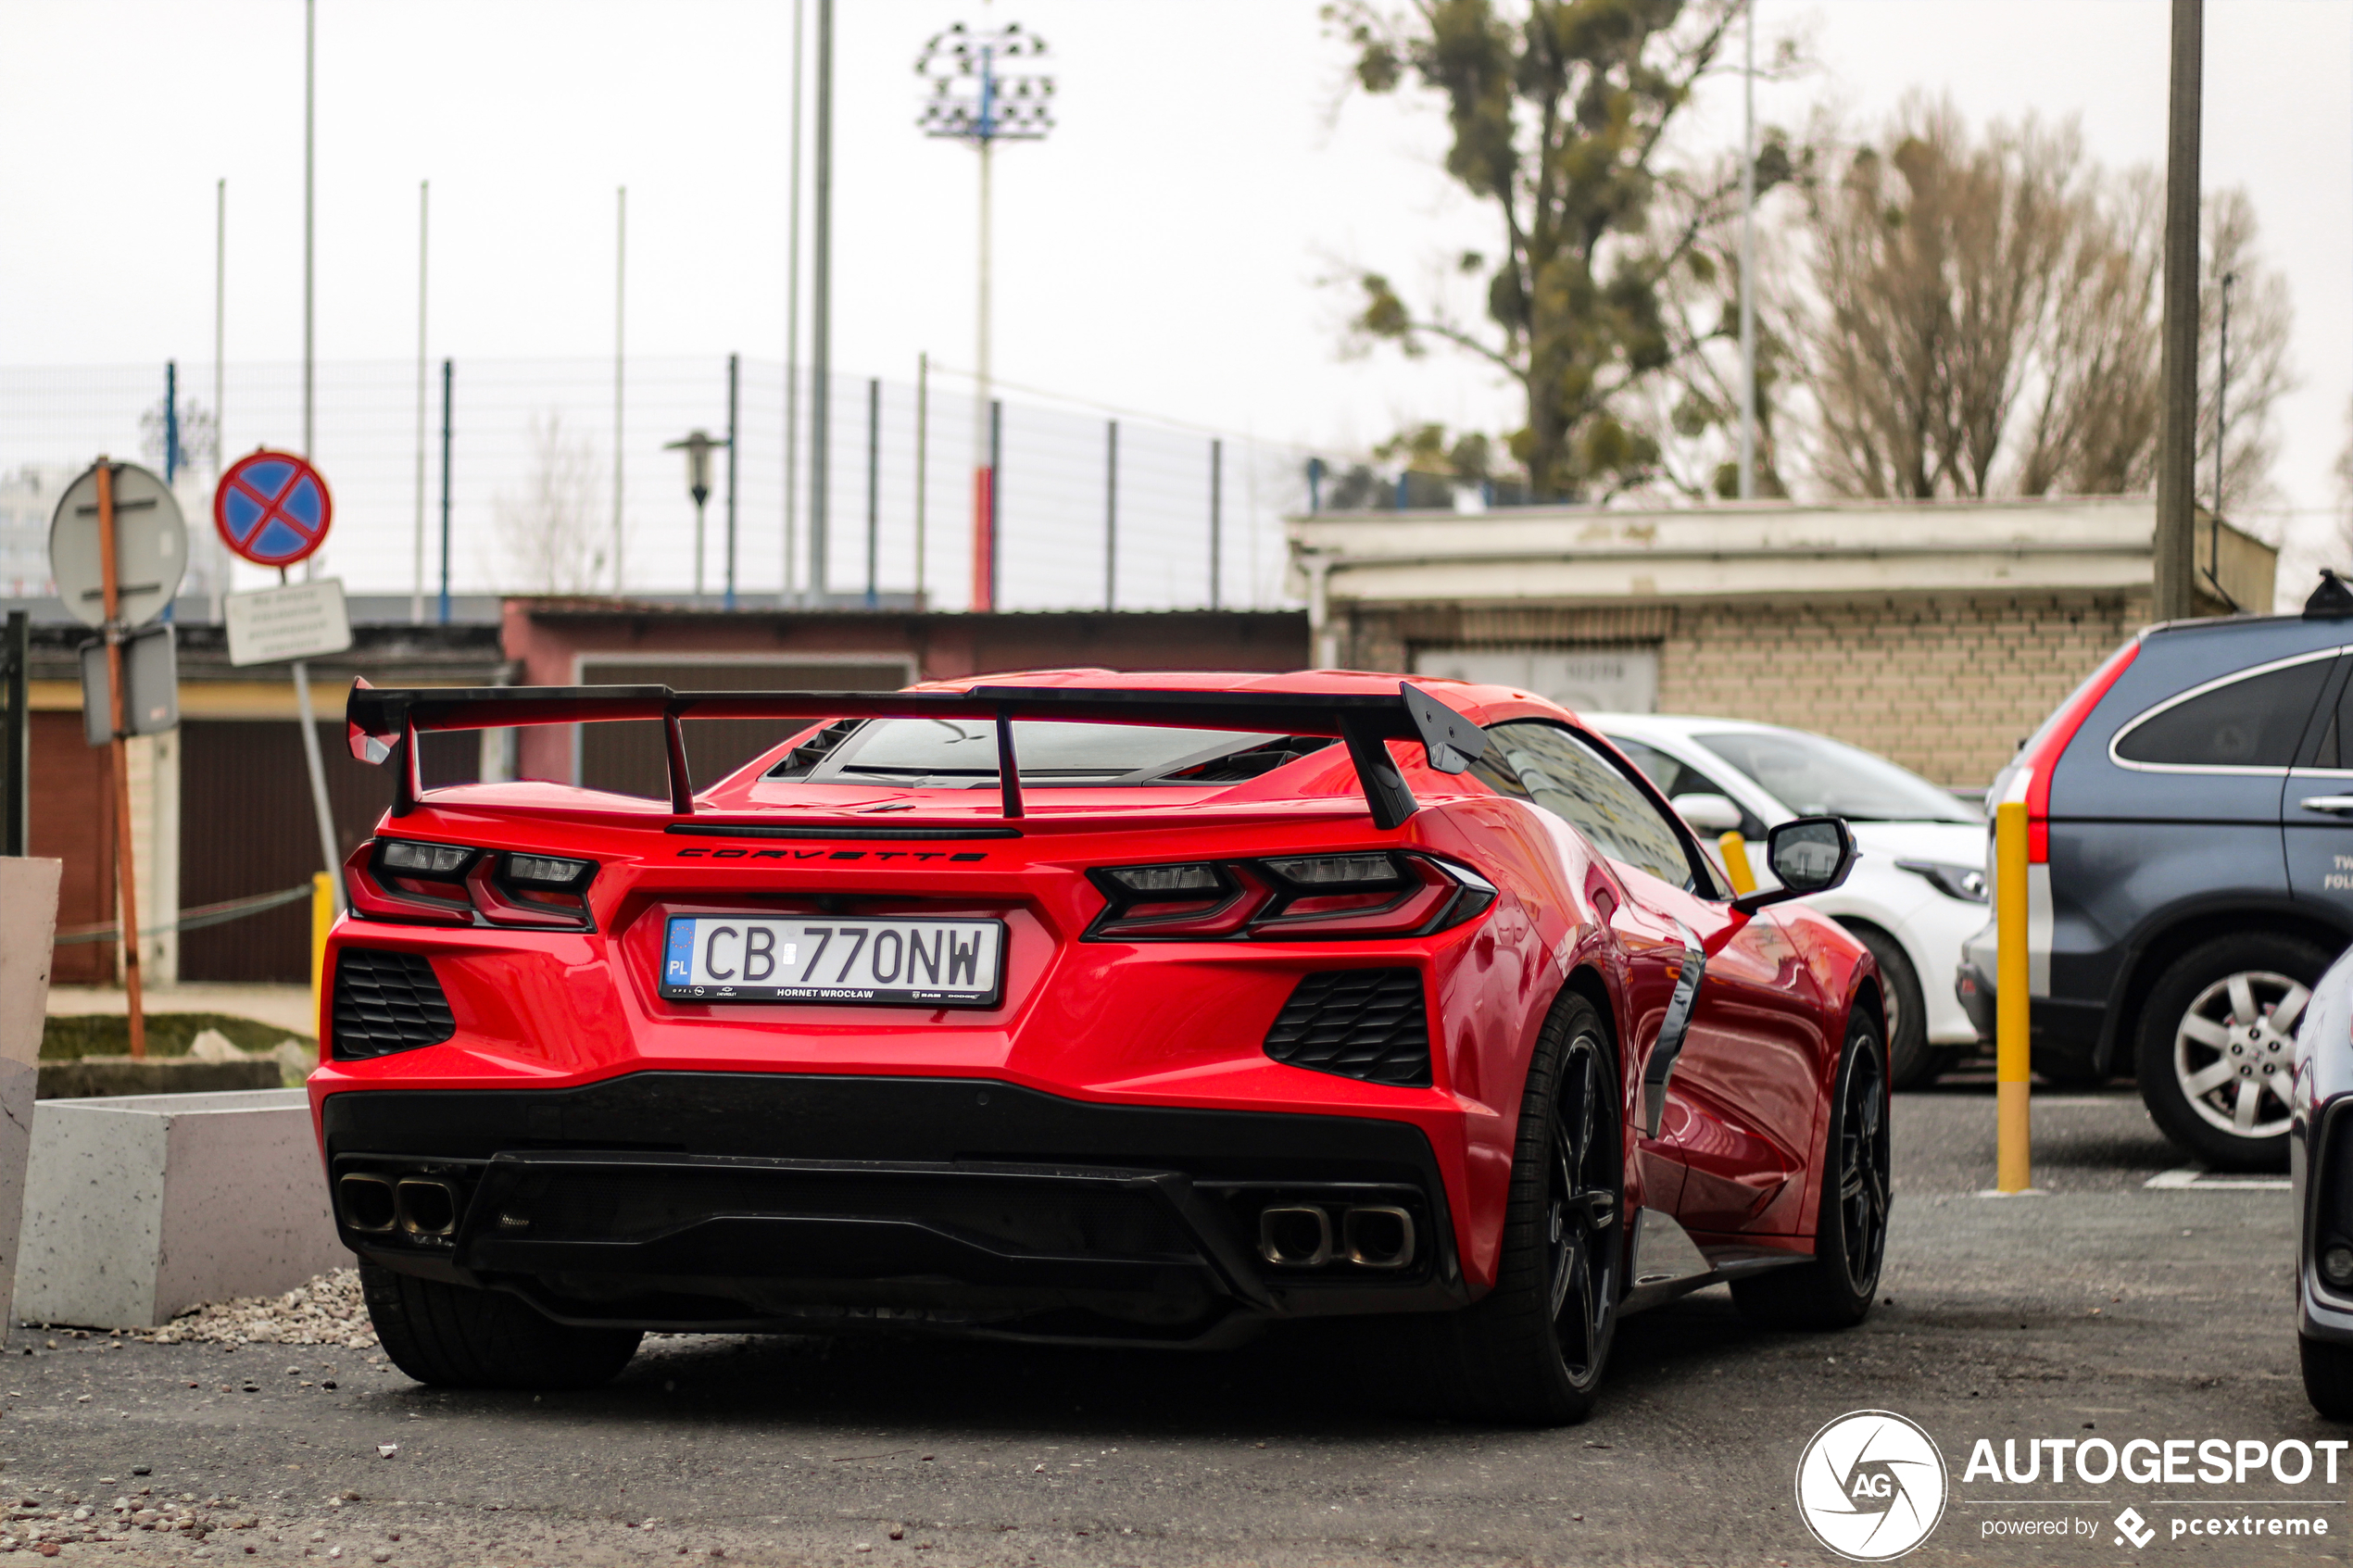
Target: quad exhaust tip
pixel 427 1207
pixel 368 1203
pixel 378 1205
pixel 1371 1235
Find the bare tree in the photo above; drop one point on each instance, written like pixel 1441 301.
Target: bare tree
pixel 551 536
pixel 1981 317
pixel 1934 264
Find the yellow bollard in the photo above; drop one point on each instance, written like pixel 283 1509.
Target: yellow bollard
pixel 1734 848
pixel 323 916
pixel 2013 1120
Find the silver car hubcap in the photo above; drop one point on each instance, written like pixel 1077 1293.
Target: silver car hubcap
pixel 2234 1052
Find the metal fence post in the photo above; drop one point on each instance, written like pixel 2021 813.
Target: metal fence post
pixel 996 497
pixel 1216 518
pixel 732 379
pixel 922 454
pixel 873 491
pixel 448 383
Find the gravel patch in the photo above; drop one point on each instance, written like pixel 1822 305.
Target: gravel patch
pixel 327 1311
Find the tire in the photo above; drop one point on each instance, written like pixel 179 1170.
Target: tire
pixel 1850 1238
pixel 2217 1084
pixel 1532 1351
pixel 456 1337
pixel 1911 1061
pixel 2328 1377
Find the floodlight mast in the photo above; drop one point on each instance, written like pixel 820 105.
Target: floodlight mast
pixel 973 98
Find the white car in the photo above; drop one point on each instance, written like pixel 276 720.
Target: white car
pixel 1918 891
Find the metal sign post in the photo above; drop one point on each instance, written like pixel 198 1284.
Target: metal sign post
pixel 274 509
pixel 120 755
pixel 117 576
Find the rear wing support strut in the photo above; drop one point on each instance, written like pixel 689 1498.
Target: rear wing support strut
pixel 386 724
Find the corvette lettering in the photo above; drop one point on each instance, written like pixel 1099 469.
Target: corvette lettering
pixel 830 855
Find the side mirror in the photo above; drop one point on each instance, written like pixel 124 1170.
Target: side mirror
pixel 1809 855
pixel 1708 812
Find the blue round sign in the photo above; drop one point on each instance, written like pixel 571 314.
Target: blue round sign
pixel 272 509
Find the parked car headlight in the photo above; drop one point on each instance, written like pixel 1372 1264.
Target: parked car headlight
pixel 1965 883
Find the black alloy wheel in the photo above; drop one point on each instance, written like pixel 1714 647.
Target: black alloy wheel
pixel 1862 1173
pixel 1850 1237
pixel 1532 1351
pixel 1581 1222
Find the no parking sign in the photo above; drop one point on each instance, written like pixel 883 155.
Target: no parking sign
pixel 272 509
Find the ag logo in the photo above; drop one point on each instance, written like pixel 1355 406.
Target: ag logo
pixel 1871 1485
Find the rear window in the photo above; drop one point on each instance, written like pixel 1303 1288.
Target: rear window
pixel 962 754
pixel 2253 721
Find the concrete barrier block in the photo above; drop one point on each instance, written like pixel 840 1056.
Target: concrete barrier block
pixel 138 1208
pixel 28 925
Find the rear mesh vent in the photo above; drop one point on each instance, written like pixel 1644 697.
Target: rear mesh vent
pixel 1363 1024
pixel 387 1002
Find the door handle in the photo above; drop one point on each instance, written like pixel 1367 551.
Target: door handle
pixel 2335 805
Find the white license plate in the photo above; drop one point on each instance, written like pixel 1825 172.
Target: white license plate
pixel 796 958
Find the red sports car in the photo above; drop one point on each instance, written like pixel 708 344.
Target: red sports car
pixel 1076 1006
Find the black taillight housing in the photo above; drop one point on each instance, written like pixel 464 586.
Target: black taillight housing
pixel 411 880
pixel 1355 894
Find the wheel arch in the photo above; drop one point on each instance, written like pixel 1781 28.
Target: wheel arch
pixel 1869 994
pixel 2151 954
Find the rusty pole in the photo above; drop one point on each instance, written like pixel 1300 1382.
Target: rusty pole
pixel 126 874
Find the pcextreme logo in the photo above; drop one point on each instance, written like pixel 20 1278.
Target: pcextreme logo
pixel 1871 1485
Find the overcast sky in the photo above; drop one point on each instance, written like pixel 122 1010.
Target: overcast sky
pixel 1163 251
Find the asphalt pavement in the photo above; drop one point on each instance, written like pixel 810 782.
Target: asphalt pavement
pixel 2107 1308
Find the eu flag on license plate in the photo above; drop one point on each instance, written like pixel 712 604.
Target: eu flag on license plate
pixel 678 964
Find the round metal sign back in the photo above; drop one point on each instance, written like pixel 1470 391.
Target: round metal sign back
pixel 151 547
pixel 272 509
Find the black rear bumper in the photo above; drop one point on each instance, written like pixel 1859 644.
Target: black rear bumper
pixel 805 1203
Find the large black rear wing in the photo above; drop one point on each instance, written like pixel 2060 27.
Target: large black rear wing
pixel 386 723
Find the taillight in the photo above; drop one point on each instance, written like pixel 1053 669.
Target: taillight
pixel 455 885
pixel 1296 897
pixel 2039 755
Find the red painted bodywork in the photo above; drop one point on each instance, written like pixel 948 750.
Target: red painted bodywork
pixel 1739 1155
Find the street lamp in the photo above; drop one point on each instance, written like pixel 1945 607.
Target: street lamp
pixel 984 88
pixel 697 444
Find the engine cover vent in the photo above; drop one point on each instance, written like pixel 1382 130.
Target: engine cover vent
pixel 386 1001
pixel 1367 1024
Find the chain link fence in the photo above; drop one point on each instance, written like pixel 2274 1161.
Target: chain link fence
pixel 535 504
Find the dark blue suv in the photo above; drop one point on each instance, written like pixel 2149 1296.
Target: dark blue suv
pixel 2190 812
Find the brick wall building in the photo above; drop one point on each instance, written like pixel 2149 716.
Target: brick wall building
pixel 1937 634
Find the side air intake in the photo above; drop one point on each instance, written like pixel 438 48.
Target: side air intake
pixel 1366 1024
pixel 386 1001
